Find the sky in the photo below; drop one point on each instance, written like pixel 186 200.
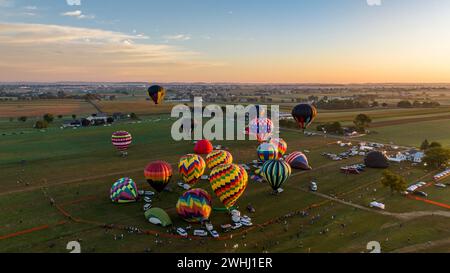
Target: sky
pixel 252 41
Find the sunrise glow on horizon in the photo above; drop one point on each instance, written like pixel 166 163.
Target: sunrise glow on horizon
pixel 293 41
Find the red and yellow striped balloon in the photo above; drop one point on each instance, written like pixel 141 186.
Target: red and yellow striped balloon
pixel 191 168
pixel 229 182
pixel 281 146
pixel 217 158
pixel 158 174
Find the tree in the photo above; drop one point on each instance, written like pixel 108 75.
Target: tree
pixel 404 104
pixel 133 116
pixel 435 144
pixel 437 157
pixel 384 104
pixel 74 116
pixel 425 145
pixel 395 182
pixel 362 122
pixel 60 116
pixel 22 118
pixel 41 124
pixel 48 118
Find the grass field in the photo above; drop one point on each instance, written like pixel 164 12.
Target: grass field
pixel 77 168
pixel 38 108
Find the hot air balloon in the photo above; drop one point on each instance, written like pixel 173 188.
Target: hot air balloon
pixel 194 206
pixel 276 172
pixel 267 151
pixel 158 174
pixel 157 93
pixel 298 160
pixel 203 147
pixel 229 182
pixel 191 168
pixel 304 114
pixel 217 158
pixel 262 128
pixel 121 140
pixel 281 146
pixel 124 190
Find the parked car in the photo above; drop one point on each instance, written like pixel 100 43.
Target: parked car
pixel 236 226
pixel 313 186
pixel 421 193
pixel 182 232
pixel 214 233
pixel 209 226
pixel 147 199
pixel 378 205
pixel 147 206
pixel 200 233
pixel 440 185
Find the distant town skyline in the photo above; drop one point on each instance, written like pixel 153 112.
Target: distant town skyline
pixel 250 41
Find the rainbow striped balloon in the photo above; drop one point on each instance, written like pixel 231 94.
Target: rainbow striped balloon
pixel 217 158
pixel 276 172
pixel 194 206
pixel 229 182
pixel 281 146
pixel 298 160
pixel 158 174
pixel 121 140
pixel 191 168
pixel 267 151
pixel 124 190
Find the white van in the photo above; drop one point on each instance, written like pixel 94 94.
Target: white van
pixel 200 233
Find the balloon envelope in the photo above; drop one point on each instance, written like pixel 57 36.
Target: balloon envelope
pixel 124 190
pixel 191 167
pixel 203 147
pixel 281 146
pixel 217 158
pixel 121 140
pixel 194 206
pixel 261 128
pixel 304 114
pixel 276 172
pixel 267 151
pixel 298 160
pixel 228 182
pixel 158 174
pixel 157 93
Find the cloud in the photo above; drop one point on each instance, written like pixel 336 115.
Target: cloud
pixel 52 52
pixel 178 37
pixel 374 2
pixel 30 8
pixel 78 14
pixel 73 2
pixel 6 3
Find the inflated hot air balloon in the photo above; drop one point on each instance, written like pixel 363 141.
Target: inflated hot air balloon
pixel 281 146
pixel 298 160
pixel 276 172
pixel 157 93
pixel 267 151
pixel 203 147
pixel 228 182
pixel 304 114
pixel 158 174
pixel 217 158
pixel 262 128
pixel 194 206
pixel 123 191
pixel 191 168
pixel 121 140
